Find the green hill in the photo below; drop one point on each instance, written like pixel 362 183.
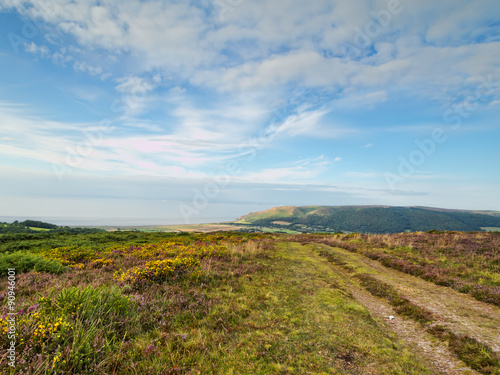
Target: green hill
pixel 372 219
pixel 35 226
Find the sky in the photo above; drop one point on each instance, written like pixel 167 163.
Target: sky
pixel 163 112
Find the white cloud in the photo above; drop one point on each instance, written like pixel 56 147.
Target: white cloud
pixel 307 68
pixel 32 137
pixel 84 67
pixel 87 93
pixel 472 19
pixel 256 47
pixel 31 47
pixel 197 138
pixel 134 85
pixel 61 57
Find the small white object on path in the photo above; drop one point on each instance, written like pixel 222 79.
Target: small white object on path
pixel 391 317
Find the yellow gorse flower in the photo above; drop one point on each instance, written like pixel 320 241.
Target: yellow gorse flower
pixel 158 270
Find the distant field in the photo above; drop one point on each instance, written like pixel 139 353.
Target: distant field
pixel 281 222
pixel 491 229
pixel 203 228
pixel 39 229
pixel 278 230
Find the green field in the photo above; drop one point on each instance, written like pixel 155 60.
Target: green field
pixel 39 229
pixel 278 230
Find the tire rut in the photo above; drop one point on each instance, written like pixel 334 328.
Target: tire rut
pixel 410 332
pixel 459 312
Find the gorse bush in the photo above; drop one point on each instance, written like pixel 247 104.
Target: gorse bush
pixel 72 256
pixel 106 304
pixel 97 316
pixel 23 262
pixel 73 331
pixel 106 254
pixel 158 271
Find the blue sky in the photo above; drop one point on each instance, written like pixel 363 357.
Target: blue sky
pixel 189 111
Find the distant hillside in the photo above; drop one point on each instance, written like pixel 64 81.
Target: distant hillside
pixel 372 219
pixel 35 226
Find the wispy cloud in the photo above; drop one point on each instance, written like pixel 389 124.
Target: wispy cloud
pixel 31 47
pixel 295 172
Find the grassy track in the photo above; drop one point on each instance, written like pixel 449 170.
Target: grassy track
pixel 465 261
pixel 470 328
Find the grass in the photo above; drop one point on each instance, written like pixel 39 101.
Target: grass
pixel 24 262
pixel 248 305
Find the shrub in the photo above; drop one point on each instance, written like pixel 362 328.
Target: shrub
pixel 478 356
pixel 158 271
pixel 486 293
pixel 103 304
pixel 75 331
pixel 475 354
pixel 24 262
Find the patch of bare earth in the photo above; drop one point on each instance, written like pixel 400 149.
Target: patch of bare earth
pixel 281 222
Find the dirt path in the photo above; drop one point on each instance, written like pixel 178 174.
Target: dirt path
pixel 407 330
pixel 459 312
pixel 413 334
